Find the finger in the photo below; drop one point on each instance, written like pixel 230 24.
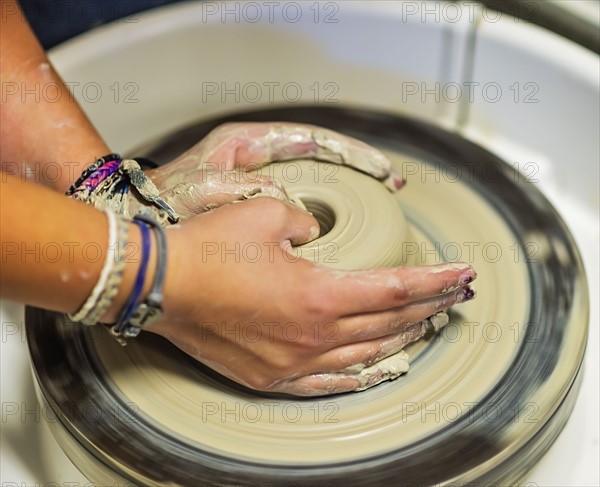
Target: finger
pixel 400 320
pixel 355 378
pixel 205 191
pixel 318 385
pixel 355 356
pixel 381 289
pixel 252 145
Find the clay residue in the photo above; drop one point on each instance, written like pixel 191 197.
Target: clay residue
pixel 396 364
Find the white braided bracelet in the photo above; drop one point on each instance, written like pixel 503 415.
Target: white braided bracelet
pixel 109 262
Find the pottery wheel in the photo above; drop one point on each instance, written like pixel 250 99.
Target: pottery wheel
pixel 482 401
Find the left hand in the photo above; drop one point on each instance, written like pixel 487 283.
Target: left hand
pixel 208 175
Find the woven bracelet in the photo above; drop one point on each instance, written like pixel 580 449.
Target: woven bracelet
pixel 82 314
pixel 115 277
pixel 91 170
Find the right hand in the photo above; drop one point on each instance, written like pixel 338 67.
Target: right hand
pixel 238 301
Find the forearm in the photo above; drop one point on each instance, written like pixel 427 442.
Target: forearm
pixel 39 131
pixel 54 248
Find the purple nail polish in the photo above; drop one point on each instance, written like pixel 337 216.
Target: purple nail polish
pixel 467 278
pixel 468 293
pixel 399 182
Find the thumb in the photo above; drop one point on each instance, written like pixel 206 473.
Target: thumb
pixel 303 226
pixel 287 223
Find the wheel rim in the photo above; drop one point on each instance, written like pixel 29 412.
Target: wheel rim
pixel 533 394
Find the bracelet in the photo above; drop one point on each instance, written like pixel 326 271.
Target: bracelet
pixel 150 310
pixel 102 173
pixel 92 169
pixel 93 298
pixel 146 188
pixel 114 279
pixel 106 183
pixel 119 327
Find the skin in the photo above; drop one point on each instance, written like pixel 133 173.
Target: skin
pixel 214 302
pixel 212 173
pixel 206 171
pixel 36 130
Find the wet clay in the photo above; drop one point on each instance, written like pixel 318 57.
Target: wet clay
pixel 364 227
pixel 457 366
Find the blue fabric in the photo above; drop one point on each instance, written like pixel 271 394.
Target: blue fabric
pixel 55 21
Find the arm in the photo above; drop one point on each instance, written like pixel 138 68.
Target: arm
pixel 53 249
pixel 36 131
pixel 206 296
pixel 44 234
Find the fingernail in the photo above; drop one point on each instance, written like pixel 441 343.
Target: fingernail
pixel 314 233
pixel 398 180
pixel 467 277
pixel 467 294
pixel 394 181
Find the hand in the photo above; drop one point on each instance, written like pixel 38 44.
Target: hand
pixel 239 301
pixel 208 175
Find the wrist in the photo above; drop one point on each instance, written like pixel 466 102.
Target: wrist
pixel 176 265
pixel 71 167
pixel 133 261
